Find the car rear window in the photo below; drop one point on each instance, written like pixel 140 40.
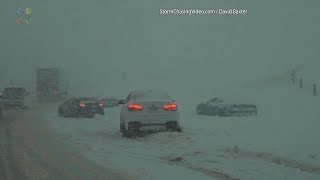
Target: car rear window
pixel 151 96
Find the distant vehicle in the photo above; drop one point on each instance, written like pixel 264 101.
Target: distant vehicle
pixel 15 98
pixel 148 110
pixel 217 107
pixel 49 85
pixel 110 102
pixel 81 107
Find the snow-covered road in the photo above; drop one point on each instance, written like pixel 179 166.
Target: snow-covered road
pixel 280 143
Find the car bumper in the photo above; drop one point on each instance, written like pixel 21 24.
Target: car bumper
pixel 152 124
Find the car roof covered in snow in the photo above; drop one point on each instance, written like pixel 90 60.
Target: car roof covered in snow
pixel 230 100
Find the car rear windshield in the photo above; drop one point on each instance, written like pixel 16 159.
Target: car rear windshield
pixel 151 96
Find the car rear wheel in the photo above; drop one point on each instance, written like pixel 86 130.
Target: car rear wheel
pixel 173 126
pixel 127 133
pixel 122 128
pixel 133 130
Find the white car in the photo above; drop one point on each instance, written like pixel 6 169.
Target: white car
pixel 148 110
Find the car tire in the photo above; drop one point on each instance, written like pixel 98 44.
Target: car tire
pixel 122 126
pixel 102 112
pixel 132 131
pixel 173 126
pixel 127 133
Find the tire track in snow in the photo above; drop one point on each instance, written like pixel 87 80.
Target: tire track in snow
pixel 236 152
pixel 215 173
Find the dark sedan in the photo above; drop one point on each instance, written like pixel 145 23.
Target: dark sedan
pixel 81 107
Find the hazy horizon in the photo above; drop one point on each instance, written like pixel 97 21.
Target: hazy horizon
pixel 112 47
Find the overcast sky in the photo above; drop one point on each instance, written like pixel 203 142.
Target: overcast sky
pixel 111 47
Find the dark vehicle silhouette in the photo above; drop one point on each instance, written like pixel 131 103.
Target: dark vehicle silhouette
pixel 217 107
pixel 81 107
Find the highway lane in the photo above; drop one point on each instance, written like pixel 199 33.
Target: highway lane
pixel 30 150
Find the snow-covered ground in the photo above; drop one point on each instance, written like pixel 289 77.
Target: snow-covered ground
pixel 282 142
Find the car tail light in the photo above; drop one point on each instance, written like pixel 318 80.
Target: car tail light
pixel 82 105
pixel 134 107
pixel 170 107
pixel 101 104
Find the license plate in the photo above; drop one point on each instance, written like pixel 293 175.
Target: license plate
pixel 93 105
pixel 154 109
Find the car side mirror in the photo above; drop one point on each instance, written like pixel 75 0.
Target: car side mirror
pixel 121 101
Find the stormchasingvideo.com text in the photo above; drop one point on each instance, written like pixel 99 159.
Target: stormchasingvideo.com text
pixel 203 11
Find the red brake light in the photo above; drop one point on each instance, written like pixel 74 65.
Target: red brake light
pixel 101 104
pixel 82 105
pixel 134 107
pixel 170 107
